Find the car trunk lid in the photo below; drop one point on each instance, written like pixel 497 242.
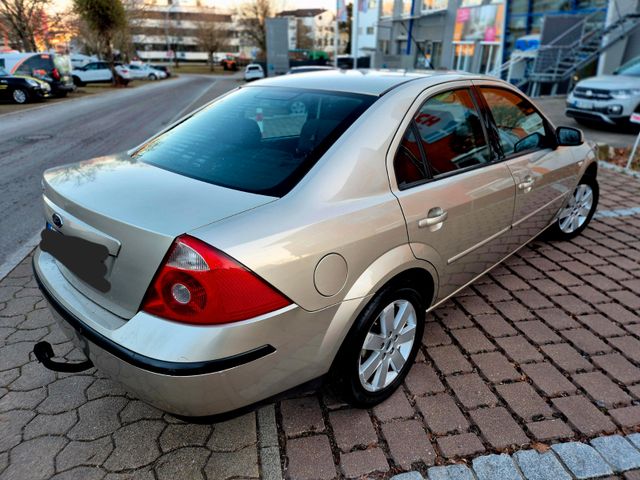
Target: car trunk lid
pixel 133 210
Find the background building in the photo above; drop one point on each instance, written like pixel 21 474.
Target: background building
pixel 312 29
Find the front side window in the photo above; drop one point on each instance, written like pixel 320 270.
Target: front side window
pixel 451 133
pixel 256 139
pixel 520 127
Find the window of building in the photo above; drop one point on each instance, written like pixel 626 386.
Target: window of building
pixel 387 8
pixel 516 120
pixel 369 30
pixel 435 4
pixel 406 7
pixel 451 133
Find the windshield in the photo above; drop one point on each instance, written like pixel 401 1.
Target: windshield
pixel 256 139
pixel 3 72
pixel 630 68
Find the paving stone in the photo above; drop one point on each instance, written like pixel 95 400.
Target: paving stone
pixel 453 318
pixel 532 299
pixel 586 341
pixel 490 467
pixel 475 305
pixel 495 325
pixel 627 417
pixel 234 434
pixel 34 459
pixel 408 443
pixel 548 430
pixel 618 452
pixel 33 375
pixel 548 379
pixel 243 463
pixel 97 418
pixel 618 367
pixel 422 379
pixel 182 464
pixel 514 311
pixel 492 292
pixel 495 367
pixel 601 325
pixel 634 438
pixel 103 387
pixel 17 306
pixel 602 390
pixel 618 313
pixel 564 278
pixel 548 287
pixel 634 475
pixel 583 461
pixel 363 462
pixel 519 349
pixel 629 346
pixel 65 394
pixel 450 472
pixel 84 453
pixel 135 445
pixel 511 282
pixel 15 355
pixel 590 294
pixel 462 445
pixel 537 332
pixel 270 463
pixel 408 476
pixel 499 427
pixel 441 414
pixel 301 415
pixel 540 466
pixel 310 458
pixel 80 473
pixel 473 340
pixel 189 435
pixel 449 360
pixel 12 425
pixel 22 400
pixel 627 298
pixel 601 282
pixel 50 424
pixel 471 390
pixel 583 415
pixel 524 400
pixel 267 425
pixel 435 335
pixel 352 428
pixel 557 318
pixel 139 410
pixel 567 357
pixel 396 406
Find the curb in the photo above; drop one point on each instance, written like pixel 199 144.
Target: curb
pixel 16 257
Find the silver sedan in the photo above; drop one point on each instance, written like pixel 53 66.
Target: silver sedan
pixel 300 227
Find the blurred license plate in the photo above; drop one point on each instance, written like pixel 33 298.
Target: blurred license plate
pixel 584 104
pixel 83 258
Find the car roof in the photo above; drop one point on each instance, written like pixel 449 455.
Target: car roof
pixel 368 82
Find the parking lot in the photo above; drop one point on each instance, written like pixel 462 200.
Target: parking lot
pixel 543 349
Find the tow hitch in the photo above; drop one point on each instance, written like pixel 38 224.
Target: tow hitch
pixel 44 353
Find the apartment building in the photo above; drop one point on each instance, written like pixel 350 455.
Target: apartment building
pixel 312 29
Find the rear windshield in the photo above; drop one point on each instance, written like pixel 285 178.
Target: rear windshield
pixel 257 139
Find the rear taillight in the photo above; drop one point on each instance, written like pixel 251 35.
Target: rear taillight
pixel 55 74
pixel 199 284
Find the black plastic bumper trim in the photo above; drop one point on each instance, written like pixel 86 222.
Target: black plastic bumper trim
pixel 176 369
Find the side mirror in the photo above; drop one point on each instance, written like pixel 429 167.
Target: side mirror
pixel 569 137
pixel 530 142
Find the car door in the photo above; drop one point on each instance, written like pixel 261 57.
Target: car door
pixel 103 72
pixel 456 198
pixel 544 173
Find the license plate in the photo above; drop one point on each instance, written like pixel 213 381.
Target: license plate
pixel 584 104
pixel 83 258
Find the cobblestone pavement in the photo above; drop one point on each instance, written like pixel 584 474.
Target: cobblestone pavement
pixel 545 348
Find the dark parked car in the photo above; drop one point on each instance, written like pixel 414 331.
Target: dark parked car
pixel 50 67
pixel 19 89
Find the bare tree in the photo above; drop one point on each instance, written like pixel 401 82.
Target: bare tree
pixel 24 18
pixel 303 36
pixel 211 37
pixel 251 18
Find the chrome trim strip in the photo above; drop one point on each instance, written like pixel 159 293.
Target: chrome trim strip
pixel 538 210
pixel 477 245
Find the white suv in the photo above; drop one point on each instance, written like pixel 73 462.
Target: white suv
pixel 144 71
pixel 98 72
pixel 607 98
pixel 253 72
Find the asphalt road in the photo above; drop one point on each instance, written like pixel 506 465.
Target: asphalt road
pixel 49 135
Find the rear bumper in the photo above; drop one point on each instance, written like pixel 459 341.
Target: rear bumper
pixel 193 370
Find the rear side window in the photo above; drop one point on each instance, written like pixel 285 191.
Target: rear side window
pixel 520 126
pixel 257 139
pixel 408 164
pixel 451 133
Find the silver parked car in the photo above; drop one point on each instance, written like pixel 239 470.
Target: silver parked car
pixel 607 99
pixel 297 227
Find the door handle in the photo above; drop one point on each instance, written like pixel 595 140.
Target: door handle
pixel 526 183
pixel 435 216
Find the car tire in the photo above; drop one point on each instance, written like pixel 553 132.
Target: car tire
pixel 354 371
pixel 20 96
pixel 77 82
pixel 153 77
pixel 574 217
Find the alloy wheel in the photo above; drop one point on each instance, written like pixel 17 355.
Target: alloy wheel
pixel 20 96
pixel 575 214
pixel 387 345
